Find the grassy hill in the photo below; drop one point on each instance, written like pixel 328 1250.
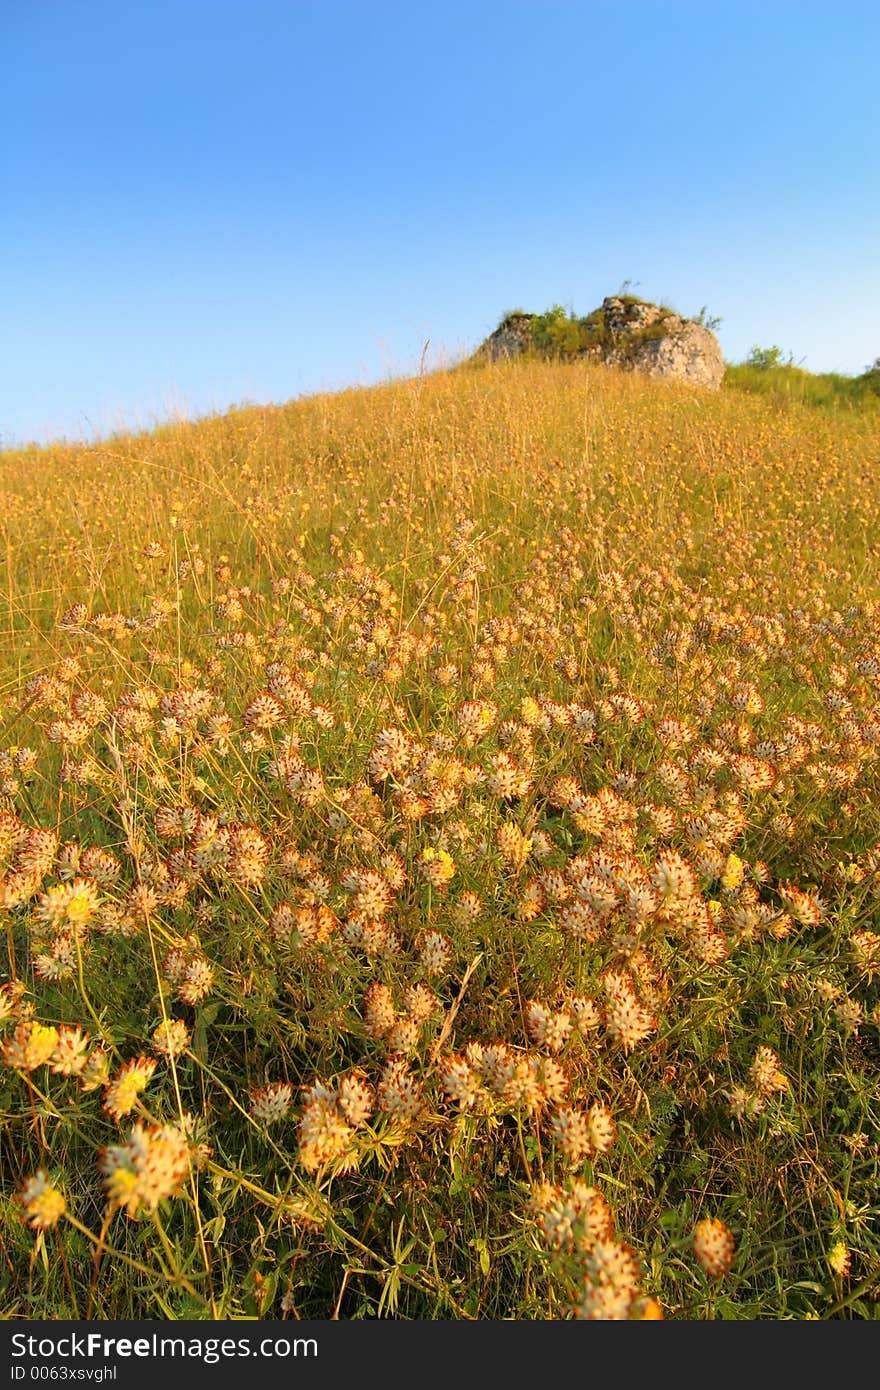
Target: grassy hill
pixel 440 858
pixel 788 384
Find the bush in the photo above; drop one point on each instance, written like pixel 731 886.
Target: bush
pixel 870 378
pixel 767 358
pixel 557 333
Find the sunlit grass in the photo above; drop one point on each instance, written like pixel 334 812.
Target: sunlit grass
pixel 441 858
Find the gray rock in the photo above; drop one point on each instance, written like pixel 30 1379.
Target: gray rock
pixel 646 338
pixel 690 354
pixel 510 339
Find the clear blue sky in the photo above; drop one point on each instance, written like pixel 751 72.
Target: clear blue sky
pixel 205 202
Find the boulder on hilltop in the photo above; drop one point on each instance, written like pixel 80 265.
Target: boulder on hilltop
pixel 623 332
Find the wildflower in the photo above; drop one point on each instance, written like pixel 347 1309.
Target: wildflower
pixel 674 778
pixel 123 1091
pixel 355 1099
pixel 826 989
pixel 373 896
pixel 765 1073
pixel 100 865
pixel 284 687
pixel 171 1038
pixel 806 908
pixel 73 618
pixel 590 815
pixel 626 1020
pixel 141 903
pixel 584 720
pixel 209 843
pixel 323 1132
pixel 248 854
pixel 272 1103
pixel 403 1037
pixel 602 1129
pixel 314 925
pixel 10 999
pixel 542 845
pixel 391 755
pixel 752 774
pixel 543 1082
pixel 672 733
pixel 44 1204
pixel 446 675
pixel 380 1014
pixel 151 1166
pixel 713 1246
pixel 373 937
pixel 436 953
pixel 839 1259
pixel 59 962
pixel 661 819
pixel 70 732
pixel 611 1284
pixel 555 886
pixel 90 707
pixel 31 1045
pixel 734 871
pixel 747 698
pixel 531 713
pixel 531 901
pixel 96 1071
pixel 570 1128
pixel 467 907
pixel 71 1051
pixel 575 1216
pixel 282 922
pixel 320 886
pixel 399 1094
pixel 421 1001
pixel 515 847
pixel 563 791
pixel 198 980
pixel 460 1082
pixel 437 866
pixel 264 712
pixel 849 1015
pixel 506 779
pixel 866 953
pixel 475 719
pixel 585 1015
pixel 547 1029
pixel 414 807
pixel 581 920
pixel 536 1021
pixel 673 877
pixel 73 904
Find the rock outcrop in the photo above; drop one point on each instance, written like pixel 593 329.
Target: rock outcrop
pixel 512 337
pixel 624 332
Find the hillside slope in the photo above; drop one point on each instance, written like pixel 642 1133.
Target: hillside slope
pixel 440 856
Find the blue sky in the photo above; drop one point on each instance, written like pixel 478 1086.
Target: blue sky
pixel 206 203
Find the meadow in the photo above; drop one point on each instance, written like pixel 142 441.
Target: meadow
pixel 440 853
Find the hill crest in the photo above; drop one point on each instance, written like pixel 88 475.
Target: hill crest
pixel 625 332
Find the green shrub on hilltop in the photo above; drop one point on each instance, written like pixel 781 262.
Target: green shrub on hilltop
pixel 767 372
pixel 766 359
pixel 560 333
pixel 870 378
